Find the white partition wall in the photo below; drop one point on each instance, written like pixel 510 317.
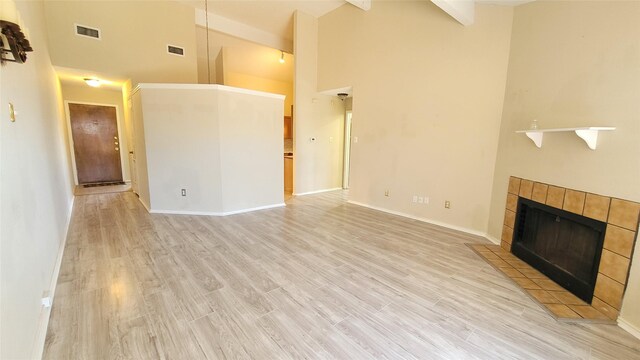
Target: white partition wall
pixel 209 149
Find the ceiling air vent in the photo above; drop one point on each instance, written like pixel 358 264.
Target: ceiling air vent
pixel 175 50
pixel 82 30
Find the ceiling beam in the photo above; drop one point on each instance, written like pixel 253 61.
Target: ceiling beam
pixel 362 4
pixel 461 10
pixel 243 31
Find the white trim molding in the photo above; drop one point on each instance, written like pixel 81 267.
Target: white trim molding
pixel 425 220
pixel 626 326
pixel 316 191
pixel 210 213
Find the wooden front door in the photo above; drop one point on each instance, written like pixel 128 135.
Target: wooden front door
pixel 95 143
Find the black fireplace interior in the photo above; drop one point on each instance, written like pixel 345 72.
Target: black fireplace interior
pixel 564 246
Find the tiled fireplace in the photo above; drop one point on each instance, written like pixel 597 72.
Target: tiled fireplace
pixel 619 219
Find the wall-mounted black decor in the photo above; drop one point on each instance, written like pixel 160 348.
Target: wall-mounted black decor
pixel 13 44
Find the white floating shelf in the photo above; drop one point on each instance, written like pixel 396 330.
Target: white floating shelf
pixel 588 134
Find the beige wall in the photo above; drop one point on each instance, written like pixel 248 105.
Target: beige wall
pixel 318 162
pixel 428 95
pixel 244 64
pixel 262 84
pixel 102 96
pixel 222 145
pixel 134 40
pixel 574 64
pixel 35 188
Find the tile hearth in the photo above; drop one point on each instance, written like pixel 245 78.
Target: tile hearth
pixel 621 217
pixel 561 304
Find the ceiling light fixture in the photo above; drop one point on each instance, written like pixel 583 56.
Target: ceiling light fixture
pixel 92 82
pixel 281 57
pixel 342 96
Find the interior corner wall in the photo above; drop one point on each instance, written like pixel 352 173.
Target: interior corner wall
pixel 134 39
pixel 427 104
pixel 318 126
pixel 574 64
pixel 36 191
pixel 222 145
pixel 85 94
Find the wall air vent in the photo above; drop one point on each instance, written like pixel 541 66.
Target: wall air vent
pixel 175 50
pixel 82 30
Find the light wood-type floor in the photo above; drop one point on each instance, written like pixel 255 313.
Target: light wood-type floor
pixel 319 279
pixel 81 190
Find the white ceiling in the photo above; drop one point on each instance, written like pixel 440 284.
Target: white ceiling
pixel 275 17
pixel 76 77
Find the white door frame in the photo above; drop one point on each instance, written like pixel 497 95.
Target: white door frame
pixel 70 134
pixel 346 171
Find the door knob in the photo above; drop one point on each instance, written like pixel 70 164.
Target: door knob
pixel 117 149
pixel 115 138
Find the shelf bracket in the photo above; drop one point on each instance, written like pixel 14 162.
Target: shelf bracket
pixel 536 137
pixel 589 136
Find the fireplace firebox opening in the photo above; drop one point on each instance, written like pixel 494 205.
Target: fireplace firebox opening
pixel 564 246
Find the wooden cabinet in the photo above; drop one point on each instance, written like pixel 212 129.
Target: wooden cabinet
pixel 288 174
pixel 288 127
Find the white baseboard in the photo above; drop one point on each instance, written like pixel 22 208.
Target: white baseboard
pixel 492 239
pixel 631 329
pixel 208 213
pixel 316 191
pixel 429 221
pixel 45 313
pixel 143 204
pixel 253 209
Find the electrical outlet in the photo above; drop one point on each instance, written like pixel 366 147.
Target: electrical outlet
pixel 386 193
pixel 447 204
pixel 415 198
pixel 47 301
pixel 183 192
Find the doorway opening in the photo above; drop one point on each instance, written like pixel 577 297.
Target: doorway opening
pixel 347 149
pixel 288 156
pixel 95 139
